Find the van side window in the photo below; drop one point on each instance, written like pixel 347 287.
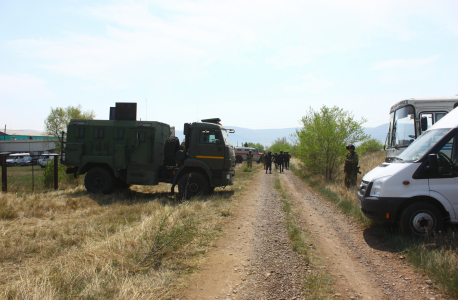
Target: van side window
pixel 447 158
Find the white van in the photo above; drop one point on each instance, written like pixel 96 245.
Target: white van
pixel 16 159
pixel 45 158
pixel 419 188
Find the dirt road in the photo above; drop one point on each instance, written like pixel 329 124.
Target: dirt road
pixel 254 260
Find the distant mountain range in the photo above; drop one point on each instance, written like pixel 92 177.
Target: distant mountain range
pixel 268 136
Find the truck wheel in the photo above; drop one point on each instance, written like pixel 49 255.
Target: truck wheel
pixel 172 145
pixel 192 184
pixel 421 219
pixel 238 159
pixel 99 180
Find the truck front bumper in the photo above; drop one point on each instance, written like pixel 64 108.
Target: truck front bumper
pixel 227 178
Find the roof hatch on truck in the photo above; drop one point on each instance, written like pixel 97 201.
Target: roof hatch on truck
pixel 214 120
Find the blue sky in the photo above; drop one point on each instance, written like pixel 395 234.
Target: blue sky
pixel 254 64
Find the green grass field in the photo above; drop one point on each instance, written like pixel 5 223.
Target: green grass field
pixel 29 179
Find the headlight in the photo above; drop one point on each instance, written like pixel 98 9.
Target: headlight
pixel 377 186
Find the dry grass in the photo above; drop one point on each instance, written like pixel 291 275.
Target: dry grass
pixel 437 256
pixel 136 244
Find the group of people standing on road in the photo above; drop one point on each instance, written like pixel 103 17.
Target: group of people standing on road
pixel 281 161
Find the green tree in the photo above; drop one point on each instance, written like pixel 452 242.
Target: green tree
pixel 323 138
pixel 258 146
pixel 59 117
pixel 282 144
pixel 369 146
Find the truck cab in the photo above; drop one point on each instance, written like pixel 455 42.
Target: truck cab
pixel 411 117
pixel 419 187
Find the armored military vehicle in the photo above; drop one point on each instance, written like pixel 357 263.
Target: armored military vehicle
pixel 120 152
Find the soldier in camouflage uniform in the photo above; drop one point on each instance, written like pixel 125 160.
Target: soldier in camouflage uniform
pixel 268 162
pixel 249 160
pixel 280 162
pixel 274 159
pixel 351 166
pixel 286 157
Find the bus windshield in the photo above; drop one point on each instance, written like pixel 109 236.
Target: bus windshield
pixel 403 129
pixel 422 145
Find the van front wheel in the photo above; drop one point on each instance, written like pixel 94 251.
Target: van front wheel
pixel 421 219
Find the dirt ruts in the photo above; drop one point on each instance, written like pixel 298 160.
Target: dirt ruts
pixel 254 259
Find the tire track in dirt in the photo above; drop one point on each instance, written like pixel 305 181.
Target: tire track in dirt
pixel 363 267
pixel 253 259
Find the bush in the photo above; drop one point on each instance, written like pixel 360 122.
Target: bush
pixel 323 138
pixel 369 146
pixel 48 174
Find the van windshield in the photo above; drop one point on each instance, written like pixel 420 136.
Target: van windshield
pixel 422 145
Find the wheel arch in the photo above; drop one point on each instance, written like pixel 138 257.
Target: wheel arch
pixel 84 169
pixel 187 169
pixel 426 199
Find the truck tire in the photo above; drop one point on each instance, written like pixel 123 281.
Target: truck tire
pixel 421 219
pixel 238 159
pixel 99 180
pixel 192 184
pixel 172 145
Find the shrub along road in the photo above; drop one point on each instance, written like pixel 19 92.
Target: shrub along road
pixel 254 258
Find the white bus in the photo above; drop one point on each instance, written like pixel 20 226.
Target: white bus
pixel 411 117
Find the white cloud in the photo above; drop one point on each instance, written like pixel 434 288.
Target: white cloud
pixel 404 63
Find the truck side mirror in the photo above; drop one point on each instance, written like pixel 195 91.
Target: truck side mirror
pixel 186 129
pixel 424 123
pixel 433 165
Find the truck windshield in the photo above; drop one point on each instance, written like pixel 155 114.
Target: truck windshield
pixel 403 129
pixel 225 137
pixel 422 145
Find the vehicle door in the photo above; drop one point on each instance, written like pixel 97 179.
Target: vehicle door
pixel 445 181
pixel 211 149
pixel 140 148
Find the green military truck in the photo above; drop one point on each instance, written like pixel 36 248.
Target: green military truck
pixel 119 153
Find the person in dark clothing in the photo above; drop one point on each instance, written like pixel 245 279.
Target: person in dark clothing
pixel 286 158
pixel 274 159
pixel 280 162
pixel 268 162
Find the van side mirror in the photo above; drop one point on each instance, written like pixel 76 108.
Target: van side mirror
pixel 433 165
pixel 424 123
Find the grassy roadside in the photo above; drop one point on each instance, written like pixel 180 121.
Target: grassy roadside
pixel 135 244
pixel 318 282
pixel 22 178
pixel 435 256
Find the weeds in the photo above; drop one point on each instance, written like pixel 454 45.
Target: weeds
pixel 437 256
pixel 139 243
pixel 317 282
pixel 246 169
